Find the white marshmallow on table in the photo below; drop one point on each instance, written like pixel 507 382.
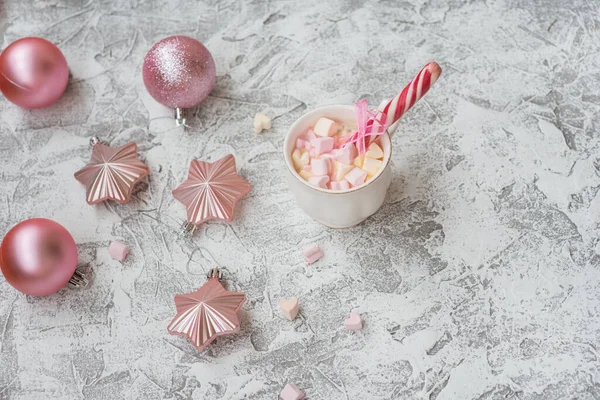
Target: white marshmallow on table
pixel 261 122
pixel 325 127
pixel 371 165
pixel 290 308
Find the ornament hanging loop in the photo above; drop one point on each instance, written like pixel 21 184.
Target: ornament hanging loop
pixel 215 273
pixel 187 229
pixel 94 140
pixel 180 116
pixel 78 280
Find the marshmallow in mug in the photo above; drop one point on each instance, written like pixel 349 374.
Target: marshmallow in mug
pixel 318 163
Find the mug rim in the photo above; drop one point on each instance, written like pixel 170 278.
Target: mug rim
pixel 287 157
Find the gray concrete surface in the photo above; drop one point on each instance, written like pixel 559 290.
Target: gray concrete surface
pixel 478 279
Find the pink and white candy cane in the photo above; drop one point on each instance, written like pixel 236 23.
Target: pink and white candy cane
pixel 412 93
pixel 399 105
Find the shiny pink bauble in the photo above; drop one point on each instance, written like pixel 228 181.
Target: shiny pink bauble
pixel 33 73
pixel 38 256
pixel 179 72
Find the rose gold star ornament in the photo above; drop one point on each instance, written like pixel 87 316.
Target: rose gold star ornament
pixel 211 191
pixel 111 173
pixel 207 313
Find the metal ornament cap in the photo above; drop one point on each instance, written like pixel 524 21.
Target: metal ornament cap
pixel 212 190
pixel 207 313
pixel 112 173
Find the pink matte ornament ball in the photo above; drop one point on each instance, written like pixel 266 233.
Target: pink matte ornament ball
pixel 38 256
pixel 33 73
pixel 179 72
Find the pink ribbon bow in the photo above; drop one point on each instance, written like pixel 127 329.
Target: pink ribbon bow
pixel 369 123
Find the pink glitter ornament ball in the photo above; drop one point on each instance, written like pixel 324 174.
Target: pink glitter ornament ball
pixel 33 73
pixel 179 72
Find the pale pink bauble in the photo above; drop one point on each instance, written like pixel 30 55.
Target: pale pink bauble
pixel 33 73
pixel 38 256
pixel 179 72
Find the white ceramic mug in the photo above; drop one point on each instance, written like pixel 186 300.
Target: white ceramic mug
pixel 345 208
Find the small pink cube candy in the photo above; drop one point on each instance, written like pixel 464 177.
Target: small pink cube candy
pixel 319 166
pixel 353 322
pixel 301 143
pixel 331 155
pixel 356 177
pixel 291 392
pixel 322 144
pixel 312 254
pixel 346 154
pixel 341 185
pixel 310 134
pixel 319 181
pixel 118 251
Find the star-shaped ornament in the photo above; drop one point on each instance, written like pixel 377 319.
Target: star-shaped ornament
pixel 207 313
pixel 211 190
pixel 112 173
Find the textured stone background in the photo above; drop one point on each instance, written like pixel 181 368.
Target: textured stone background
pixel 478 279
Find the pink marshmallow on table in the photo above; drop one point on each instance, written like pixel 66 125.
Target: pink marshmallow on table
pixel 312 254
pixel 319 181
pixel 353 322
pixel 291 392
pixel 313 248
pixel 356 177
pixel 313 258
pixel 346 154
pixel 319 166
pixel 322 144
pixel 118 251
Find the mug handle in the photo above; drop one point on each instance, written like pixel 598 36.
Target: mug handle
pixel 392 128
